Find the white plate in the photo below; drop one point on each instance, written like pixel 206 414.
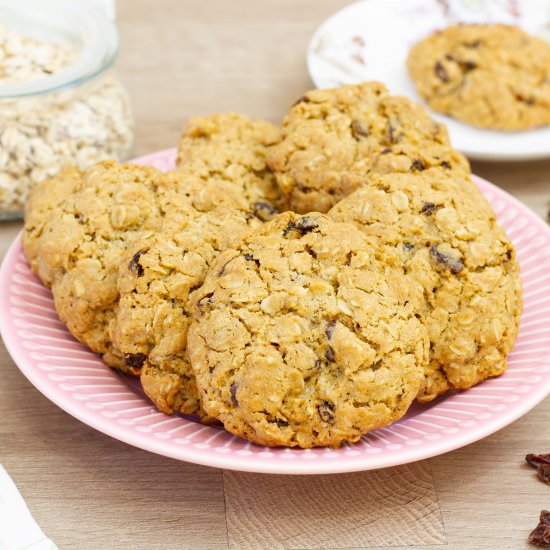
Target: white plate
pixel 370 40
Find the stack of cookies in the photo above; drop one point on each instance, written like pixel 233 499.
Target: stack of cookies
pixel 303 285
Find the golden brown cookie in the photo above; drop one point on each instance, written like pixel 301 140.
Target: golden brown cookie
pixel 307 335
pixel 329 133
pixel 448 240
pixel 229 151
pixel 75 245
pixel 44 200
pixel 491 76
pixel 155 280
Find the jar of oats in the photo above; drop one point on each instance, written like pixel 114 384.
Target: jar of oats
pixel 60 101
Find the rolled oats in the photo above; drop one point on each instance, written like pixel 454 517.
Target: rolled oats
pixel 39 133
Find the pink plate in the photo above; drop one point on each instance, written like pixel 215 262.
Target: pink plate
pixel 77 381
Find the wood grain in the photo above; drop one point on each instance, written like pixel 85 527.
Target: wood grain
pixel 89 491
pixel 392 507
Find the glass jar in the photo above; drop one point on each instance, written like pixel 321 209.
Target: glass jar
pixel 60 101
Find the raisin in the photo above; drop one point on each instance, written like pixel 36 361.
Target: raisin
pixel 391 134
pixel 543 473
pixel 330 329
pixel 534 460
pixel 428 208
pixel 473 44
pixel 303 99
pixel 134 264
pixel 134 360
pixel 303 225
pixel 279 421
pixel 454 266
pixel 250 258
pixel 467 66
pixel 264 211
pixel 540 535
pixel 418 165
pixel 233 390
pixel 290 227
pixel 326 411
pixel 526 100
pixel 357 130
pixel 441 72
pixel 208 297
pixel 329 355
pixel 508 258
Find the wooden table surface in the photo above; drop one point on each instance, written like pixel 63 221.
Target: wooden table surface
pixel 86 490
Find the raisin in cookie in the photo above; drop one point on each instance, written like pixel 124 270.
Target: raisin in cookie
pixel 306 335
pixel 230 150
pixel 328 132
pixel 154 284
pixel 449 241
pixel 491 76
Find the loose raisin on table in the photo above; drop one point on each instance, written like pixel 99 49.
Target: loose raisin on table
pixel 534 459
pixel 540 535
pixel 543 473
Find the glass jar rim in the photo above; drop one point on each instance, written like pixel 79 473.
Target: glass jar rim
pixel 96 34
